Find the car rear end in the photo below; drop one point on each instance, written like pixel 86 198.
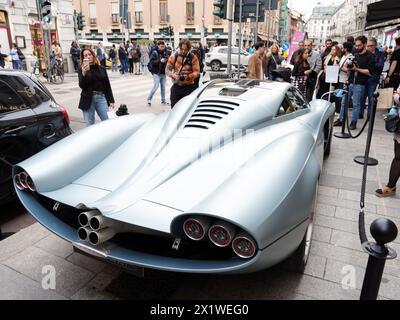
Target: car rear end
pixel 52 119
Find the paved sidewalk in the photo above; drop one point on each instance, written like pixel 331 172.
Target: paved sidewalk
pixel 336 254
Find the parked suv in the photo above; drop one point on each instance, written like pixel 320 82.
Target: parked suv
pixel 217 58
pixel 30 120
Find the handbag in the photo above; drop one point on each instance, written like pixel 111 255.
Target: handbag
pixel 385 99
pixel 392 123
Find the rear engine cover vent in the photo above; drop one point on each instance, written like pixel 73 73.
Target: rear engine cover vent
pixel 208 112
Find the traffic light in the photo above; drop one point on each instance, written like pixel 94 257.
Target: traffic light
pixel 80 21
pixel 171 31
pixel 45 9
pixel 221 8
pixel 165 31
pixel 205 32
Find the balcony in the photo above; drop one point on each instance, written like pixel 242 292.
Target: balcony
pixel 189 20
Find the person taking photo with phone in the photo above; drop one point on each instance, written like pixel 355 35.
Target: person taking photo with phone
pixel 96 88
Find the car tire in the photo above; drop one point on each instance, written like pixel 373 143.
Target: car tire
pixel 328 131
pixel 215 65
pixel 298 260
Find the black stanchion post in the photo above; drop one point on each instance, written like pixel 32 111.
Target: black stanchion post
pixel 342 134
pixel 361 159
pixel 383 231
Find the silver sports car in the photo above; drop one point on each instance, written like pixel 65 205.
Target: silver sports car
pixel 224 183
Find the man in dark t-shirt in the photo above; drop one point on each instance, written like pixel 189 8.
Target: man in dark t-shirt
pixel 393 77
pixel 361 70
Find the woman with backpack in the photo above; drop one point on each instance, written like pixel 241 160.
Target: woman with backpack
pixel 135 55
pixel 113 56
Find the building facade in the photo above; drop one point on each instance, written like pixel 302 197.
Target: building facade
pixel 350 20
pixel 318 26
pixel 147 19
pixel 19 23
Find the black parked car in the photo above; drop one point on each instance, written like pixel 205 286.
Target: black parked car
pixel 30 120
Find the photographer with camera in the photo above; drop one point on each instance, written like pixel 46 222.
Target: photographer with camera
pixel 361 69
pixel 183 67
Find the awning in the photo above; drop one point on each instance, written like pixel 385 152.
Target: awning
pixel 382 14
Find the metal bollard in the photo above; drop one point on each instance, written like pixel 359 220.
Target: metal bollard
pixel 361 159
pixel 383 231
pixel 342 134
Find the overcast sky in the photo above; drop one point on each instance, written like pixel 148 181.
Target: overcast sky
pixel 306 6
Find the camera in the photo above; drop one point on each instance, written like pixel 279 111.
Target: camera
pixel 182 77
pixel 352 62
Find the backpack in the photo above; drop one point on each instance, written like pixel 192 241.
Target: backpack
pixel 150 63
pixel 188 59
pixel 20 54
pixel 111 54
pixel 134 53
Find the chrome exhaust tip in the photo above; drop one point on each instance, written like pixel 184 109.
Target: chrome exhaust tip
pixel 84 217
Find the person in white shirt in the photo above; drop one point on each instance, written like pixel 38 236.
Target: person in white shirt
pixel 344 78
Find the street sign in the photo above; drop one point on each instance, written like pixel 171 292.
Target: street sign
pixel 285 46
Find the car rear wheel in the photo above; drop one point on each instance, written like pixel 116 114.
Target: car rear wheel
pixel 298 260
pixel 215 65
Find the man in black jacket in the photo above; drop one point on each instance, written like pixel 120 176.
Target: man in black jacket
pixel 157 64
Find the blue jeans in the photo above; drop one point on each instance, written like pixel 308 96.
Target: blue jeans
pixel 369 92
pixel 17 65
pixel 356 92
pixel 158 79
pixel 100 105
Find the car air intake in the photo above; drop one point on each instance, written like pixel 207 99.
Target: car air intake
pixel 209 112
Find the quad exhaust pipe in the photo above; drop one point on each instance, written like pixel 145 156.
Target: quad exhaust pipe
pixel 102 235
pixel 84 217
pixel 97 228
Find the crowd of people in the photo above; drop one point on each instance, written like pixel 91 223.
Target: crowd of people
pixel 183 66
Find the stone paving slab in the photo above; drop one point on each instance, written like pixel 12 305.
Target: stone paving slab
pixel 69 277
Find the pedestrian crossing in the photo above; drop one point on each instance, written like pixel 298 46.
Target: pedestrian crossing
pixel 123 86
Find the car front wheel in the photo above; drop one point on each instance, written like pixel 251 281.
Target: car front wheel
pixel 215 65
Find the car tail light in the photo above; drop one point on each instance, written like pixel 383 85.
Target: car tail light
pixel 23 177
pixel 244 246
pixel 17 181
pixel 30 184
pixel 24 181
pixel 196 228
pixel 221 233
pixel 66 116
